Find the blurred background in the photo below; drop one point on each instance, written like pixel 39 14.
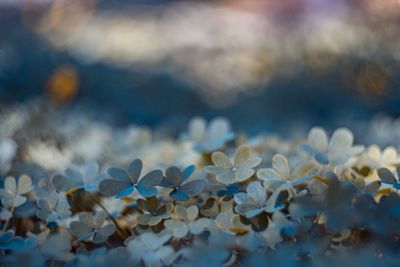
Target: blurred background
pixel 277 66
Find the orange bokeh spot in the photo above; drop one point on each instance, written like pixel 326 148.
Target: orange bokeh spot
pixel 63 84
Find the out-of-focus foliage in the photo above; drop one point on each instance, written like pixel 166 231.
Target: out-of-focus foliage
pixel 318 201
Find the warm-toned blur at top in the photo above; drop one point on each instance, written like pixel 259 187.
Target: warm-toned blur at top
pixel 224 52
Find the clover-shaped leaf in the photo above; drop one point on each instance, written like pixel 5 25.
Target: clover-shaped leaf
pixel 228 172
pixel 211 138
pixel 123 183
pixel 10 242
pixel 335 151
pixel 255 201
pixel 177 179
pixel 92 227
pixel 54 208
pixel 154 211
pixel 12 193
pixel 282 177
pixel 151 248
pixel 184 222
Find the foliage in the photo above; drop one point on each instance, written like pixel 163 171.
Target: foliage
pixel 324 203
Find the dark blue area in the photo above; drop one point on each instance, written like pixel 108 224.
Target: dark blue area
pixel 158 98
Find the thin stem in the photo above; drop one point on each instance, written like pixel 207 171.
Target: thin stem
pixel 119 229
pixel 109 244
pixel 8 219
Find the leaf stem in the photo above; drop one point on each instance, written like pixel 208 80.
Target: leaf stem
pixel 109 244
pixel 120 231
pixel 8 219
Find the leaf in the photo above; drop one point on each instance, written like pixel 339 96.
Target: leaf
pixel 257 192
pixel 192 213
pixel 303 169
pixel 179 195
pixel 80 230
pixel 108 229
pixel 391 153
pixel 134 170
pixel 24 184
pixel 268 174
pixel 373 187
pixel 200 225
pixel 272 204
pixel 153 241
pixel 73 173
pixel 321 158
pixel 173 175
pixel 307 148
pixel 19 200
pixel 187 172
pixel 242 174
pixel 230 190
pixel 197 128
pixel 86 218
pixel 63 184
pixel 281 165
pixel 165 183
pixel 213 169
pixel 219 127
pixel 125 192
pixel 181 212
pixel 242 154
pixel 221 160
pixel 153 178
pixel 147 191
pixel 226 177
pixel 248 210
pixel 386 176
pixel 300 180
pixel 99 218
pixel 193 188
pixel 173 224
pixel 10 184
pixel 240 198
pixel 88 188
pixel 119 174
pixel 99 238
pixel 318 139
pixel 253 213
pixel 154 220
pixel 180 229
pixel 111 187
pixel 341 138
pixel 252 162
pixel 283 196
pixel 152 204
